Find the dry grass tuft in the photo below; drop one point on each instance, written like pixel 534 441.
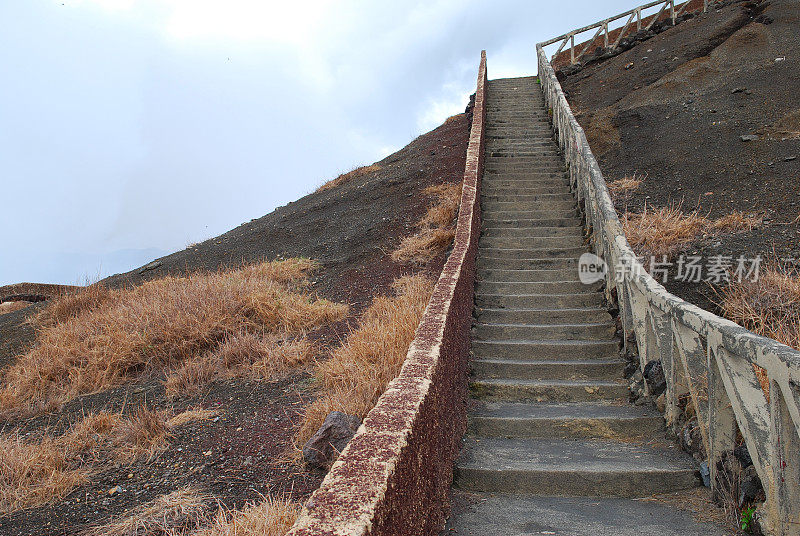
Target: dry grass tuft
pixel 255 356
pixel 174 513
pixel 624 187
pixel 436 228
pixel 191 415
pixel 40 470
pixel 371 356
pixel 11 306
pixel 271 517
pixel 769 306
pixel 160 325
pixel 736 222
pixel 662 231
pixel 71 304
pixel 350 175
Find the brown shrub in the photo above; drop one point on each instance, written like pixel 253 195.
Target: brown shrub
pixel 436 228
pixel 358 372
pixel 350 175
pixel 662 231
pixel 159 325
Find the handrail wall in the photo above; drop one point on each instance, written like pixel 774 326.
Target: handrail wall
pixel 705 357
pixel 394 476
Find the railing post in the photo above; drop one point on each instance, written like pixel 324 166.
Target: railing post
pixel 672 10
pixel 784 454
pixel 721 420
pixel 572 49
pixel 638 20
pixel 605 35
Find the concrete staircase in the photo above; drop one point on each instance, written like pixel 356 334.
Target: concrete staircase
pixel 549 417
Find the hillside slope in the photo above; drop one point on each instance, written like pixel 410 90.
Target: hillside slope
pixel 240 456
pixel 674 108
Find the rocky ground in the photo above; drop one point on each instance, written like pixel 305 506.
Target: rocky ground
pixel 707 112
pixel 240 454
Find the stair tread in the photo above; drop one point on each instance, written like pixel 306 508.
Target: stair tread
pixel 554 455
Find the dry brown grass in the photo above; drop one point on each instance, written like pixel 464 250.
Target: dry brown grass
pixel 270 517
pixel 669 230
pixel 11 306
pixel 769 306
pixel 35 471
pixel 358 372
pixel 736 222
pixel 662 231
pixel 174 513
pixel 257 356
pixel 160 325
pixel 436 228
pixel 350 175
pixel 624 187
pixel 71 304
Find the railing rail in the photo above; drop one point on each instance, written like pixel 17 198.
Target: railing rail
pixel 635 14
pixel 706 358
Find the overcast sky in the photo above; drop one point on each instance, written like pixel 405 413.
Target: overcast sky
pixel 131 128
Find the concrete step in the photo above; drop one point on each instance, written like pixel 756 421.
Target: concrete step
pixel 579 349
pixel 493 191
pixel 578 331
pixel 532 232
pixel 537 242
pixel 573 221
pixel 527 205
pixel 571 467
pixel 539 301
pixel 534 252
pixel 488 514
pixel 535 287
pixel 594 369
pixel 511 196
pixel 526 276
pixel 575 420
pixel 517 390
pixel 542 316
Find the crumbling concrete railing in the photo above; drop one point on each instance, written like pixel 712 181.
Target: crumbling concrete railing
pixel 705 357
pixel 394 476
pixel 637 19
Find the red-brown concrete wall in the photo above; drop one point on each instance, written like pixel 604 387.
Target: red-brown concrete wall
pixel 393 477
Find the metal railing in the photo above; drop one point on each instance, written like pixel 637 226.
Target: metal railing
pixel 706 359
pixel 635 14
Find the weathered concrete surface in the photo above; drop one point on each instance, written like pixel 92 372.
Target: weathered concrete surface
pixel 517 515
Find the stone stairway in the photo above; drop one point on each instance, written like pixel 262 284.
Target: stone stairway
pixel 550 430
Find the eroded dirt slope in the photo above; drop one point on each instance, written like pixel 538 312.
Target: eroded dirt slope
pixel 674 108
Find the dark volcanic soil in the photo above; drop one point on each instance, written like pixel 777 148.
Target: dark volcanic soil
pixel 351 229
pixel 677 115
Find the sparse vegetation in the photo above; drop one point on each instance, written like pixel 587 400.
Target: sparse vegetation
pixel 270 517
pixel 436 229
pixel 350 175
pixel 171 514
pixel 42 469
pixel 358 372
pixel 624 187
pixel 93 341
pixel 662 231
pixel 668 230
